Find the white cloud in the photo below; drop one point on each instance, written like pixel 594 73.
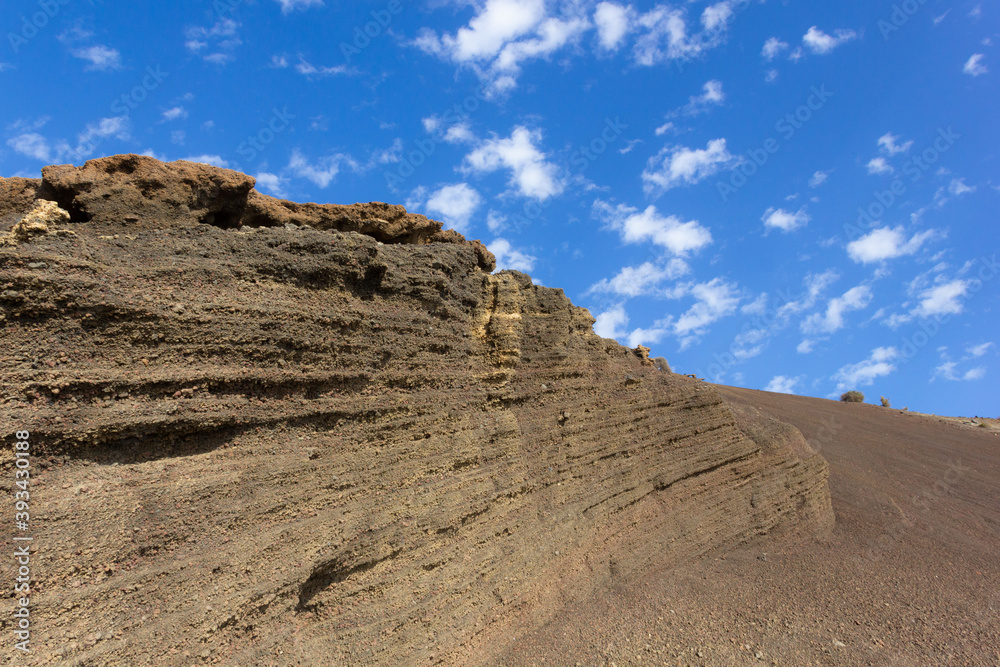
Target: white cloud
pixel 974 66
pixel 455 203
pixel 712 96
pixel 272 184
pixel 958 187
pixel 715 300
pixel 887 143
pixel 678 165
pixel 531 174
pixel 819 42
pixel 886 243
pixel 944 299
pixel 496 222
pixel 782 384
pixel 878 364
pixel 947 371
pixel 510 258
pixel 663 129
pixel 818 179
pixel 214 160
pixel 223 38
pixel 681 238
pixel 502 35
pixel 815 284
pixel 288 6
pixel 31 144
pixel 633 281
pixel 306 68
pixel 781 219
pixel 611 323
pixel 175 113
pixel 979 350
pixel 717 16
pixel 805 347
pixel 323 171
pixel 613 22
pixel 772 48
pixel 879 165
pixel 101 58
pixel 856 298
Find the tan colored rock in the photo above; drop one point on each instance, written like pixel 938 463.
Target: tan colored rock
pixel 17 195
pixel 139 189
pixel 39 221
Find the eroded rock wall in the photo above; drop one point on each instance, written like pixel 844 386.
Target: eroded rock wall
pixel 295 446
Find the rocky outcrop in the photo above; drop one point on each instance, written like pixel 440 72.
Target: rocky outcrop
pixel 17 197
pixel 278 445
pixel 134 191
pixel 42 219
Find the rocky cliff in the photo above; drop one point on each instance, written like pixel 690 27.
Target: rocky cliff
pixel 273 433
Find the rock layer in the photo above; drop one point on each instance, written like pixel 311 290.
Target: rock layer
pixel 289 446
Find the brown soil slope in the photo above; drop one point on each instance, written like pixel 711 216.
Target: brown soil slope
pixel 910 575
pixel 259 444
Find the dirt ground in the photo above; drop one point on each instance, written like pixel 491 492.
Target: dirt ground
pixel 909 575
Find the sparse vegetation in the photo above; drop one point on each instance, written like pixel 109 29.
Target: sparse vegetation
pixel 852 397
pixel 885 402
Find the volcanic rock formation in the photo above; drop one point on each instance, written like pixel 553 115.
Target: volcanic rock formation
pixel 272 433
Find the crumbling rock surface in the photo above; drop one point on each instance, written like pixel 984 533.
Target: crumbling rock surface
pixel 17 197
pixel 275 445
pixel 138 191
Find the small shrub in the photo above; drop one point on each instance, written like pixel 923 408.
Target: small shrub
pixel 885 402
pixel 853 397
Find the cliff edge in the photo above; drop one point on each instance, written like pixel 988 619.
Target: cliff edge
pixel 275 433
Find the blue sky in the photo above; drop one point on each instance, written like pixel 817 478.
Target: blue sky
pixel 799 196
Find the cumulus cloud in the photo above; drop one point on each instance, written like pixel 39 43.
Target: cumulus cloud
pixel 678 165
pixel 323 171
pixel 215 44
pixel 974 66
pixel 818 179
pixel 879 165
pixel 510 258
pixel 819 42
pixel 175 113
pixel 889 144
pixel 531 174
pixel 714 300
pixel 879 364
pixel 947 371
pixel 782 384
pixel 649 226
pixel 697 104
pixel 272 184
pixel 887 243
pixel 455 204
pixel 31 144
pixel 832 320
pixel 944 299
pixel 613 23
pixel 781 219
pixel 773 48
pixel 504 34
pixel 611 323
pixel 101 58
pixel 633 281
pixel 816 284
pixel 979 350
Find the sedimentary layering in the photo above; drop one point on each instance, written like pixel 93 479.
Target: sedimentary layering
pixel 268 433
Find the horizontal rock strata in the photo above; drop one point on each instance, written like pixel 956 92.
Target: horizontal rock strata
pixel 270 445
